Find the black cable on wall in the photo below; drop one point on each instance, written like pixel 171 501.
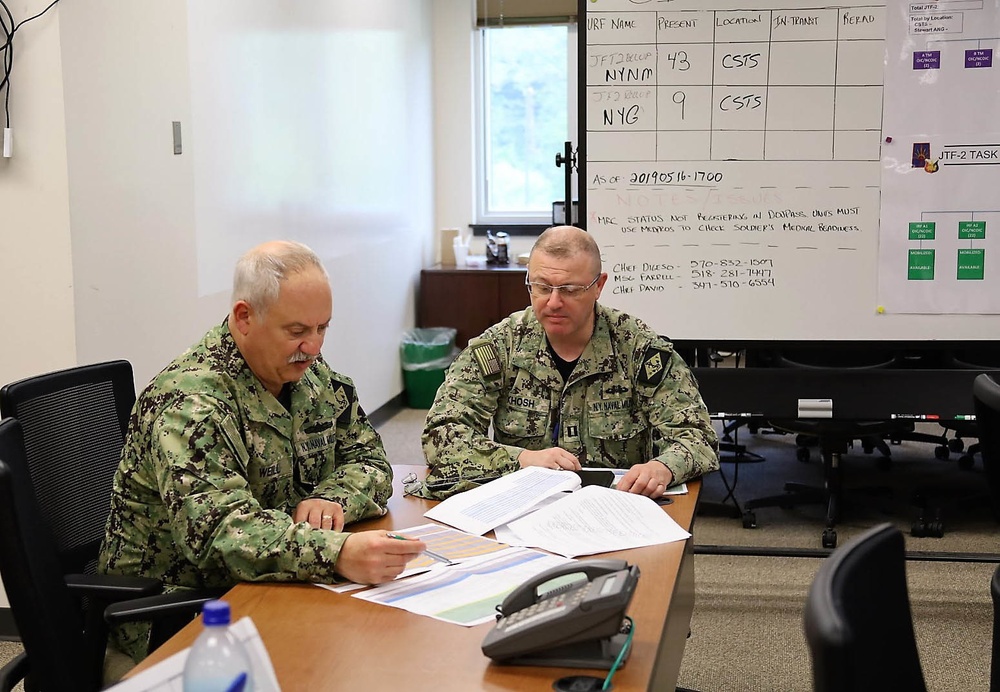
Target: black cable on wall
pixel 7 31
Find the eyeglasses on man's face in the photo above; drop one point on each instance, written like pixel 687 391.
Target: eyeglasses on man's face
pixel 540 290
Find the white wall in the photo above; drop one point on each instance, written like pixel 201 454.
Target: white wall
pixel 454 116
pixel 36 281
pixel 133 225
pixel 283 137
pixel 123 274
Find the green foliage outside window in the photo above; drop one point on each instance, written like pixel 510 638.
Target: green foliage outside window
pixel 526 117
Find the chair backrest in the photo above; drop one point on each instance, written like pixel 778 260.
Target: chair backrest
pixel 986 404
pixel 853 359
pixel 858 623
pixel 980 358
pixel 48 617
pixel 74 424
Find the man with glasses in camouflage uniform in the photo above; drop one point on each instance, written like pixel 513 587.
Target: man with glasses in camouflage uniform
pixel 568 383
pixel 247 456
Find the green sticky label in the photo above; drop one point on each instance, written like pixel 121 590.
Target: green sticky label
pixel 921 265
pixel 971 264
pixel 971 230
pixel 922 230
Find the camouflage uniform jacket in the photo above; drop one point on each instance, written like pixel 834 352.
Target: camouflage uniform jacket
pixel 629 399
pixel 213 467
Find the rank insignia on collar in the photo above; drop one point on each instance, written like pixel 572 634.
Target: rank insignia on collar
pixel 653 367
pixel 487 359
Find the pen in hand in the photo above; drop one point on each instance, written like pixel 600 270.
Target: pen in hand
pixel 432 555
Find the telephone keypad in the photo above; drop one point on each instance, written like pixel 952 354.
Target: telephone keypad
pixel 545 608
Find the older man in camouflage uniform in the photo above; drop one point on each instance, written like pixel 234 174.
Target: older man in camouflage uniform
pixel 247 455
pixel 566 383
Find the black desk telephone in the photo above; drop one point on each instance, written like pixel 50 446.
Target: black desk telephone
pixel 575 625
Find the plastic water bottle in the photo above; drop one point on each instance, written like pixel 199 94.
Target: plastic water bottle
pixel 217 661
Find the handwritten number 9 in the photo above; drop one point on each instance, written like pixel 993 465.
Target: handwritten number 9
pixel 679 97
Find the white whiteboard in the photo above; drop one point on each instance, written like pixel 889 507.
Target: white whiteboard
pixel 732 169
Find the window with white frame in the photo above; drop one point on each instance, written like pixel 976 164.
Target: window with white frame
pixel 526 112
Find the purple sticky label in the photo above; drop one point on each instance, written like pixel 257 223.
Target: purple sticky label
pixel 980 57
pixel 926 60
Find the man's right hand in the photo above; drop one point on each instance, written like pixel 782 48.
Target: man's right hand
pixel 371 557
pixel 551 458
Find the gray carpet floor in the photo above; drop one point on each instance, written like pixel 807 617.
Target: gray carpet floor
pixel 746 632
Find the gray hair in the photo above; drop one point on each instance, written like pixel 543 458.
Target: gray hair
pixel 568 241
pixel 260 271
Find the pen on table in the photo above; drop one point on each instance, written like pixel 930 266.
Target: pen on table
pixel 432 555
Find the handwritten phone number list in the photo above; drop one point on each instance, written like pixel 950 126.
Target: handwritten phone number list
pixel 729 273
pixel 700 274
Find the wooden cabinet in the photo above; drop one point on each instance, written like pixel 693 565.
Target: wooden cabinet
pixel 470 300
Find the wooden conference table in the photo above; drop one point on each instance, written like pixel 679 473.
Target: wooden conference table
pixel 321 640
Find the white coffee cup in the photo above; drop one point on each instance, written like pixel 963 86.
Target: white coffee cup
pixel 461 252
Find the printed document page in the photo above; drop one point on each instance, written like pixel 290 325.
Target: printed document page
pixel 456 546
pixel 594 520
pixel 484 508
pixel 467 593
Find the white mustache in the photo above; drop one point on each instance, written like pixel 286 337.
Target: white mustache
pixel 300 357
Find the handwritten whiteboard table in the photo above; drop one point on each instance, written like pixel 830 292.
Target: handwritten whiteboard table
pixel 742 181
pixel 320 640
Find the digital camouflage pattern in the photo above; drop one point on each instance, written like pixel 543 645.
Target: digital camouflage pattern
pixel 629 399
pixel 213 467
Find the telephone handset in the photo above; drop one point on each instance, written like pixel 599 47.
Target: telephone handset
pixel 577 624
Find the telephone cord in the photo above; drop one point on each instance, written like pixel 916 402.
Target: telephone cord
pixel 621 654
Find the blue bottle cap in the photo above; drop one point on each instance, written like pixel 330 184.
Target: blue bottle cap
pixel 215 613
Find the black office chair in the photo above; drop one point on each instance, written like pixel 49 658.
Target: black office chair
pixel 986 404
pixel 834 438
pixel 864 359
pixel 935 507
pixel 982 358
pixel 857 618
pixel 63 647
pixel 74 423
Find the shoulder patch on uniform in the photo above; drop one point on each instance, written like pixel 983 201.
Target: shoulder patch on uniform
pixel 345 416
pixel 653 366
pixel 487 359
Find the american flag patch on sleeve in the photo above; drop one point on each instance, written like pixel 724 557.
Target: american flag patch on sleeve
pixel 488 359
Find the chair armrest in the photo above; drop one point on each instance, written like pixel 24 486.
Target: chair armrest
pixel 111 588
pixel 167 613
pixel 162 605
pixel 14 672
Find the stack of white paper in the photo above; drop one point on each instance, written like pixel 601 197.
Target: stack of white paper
pixel 594 520
pixel 547 509
pixel 484 508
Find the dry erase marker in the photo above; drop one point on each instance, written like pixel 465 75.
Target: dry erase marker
pixel 428 553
